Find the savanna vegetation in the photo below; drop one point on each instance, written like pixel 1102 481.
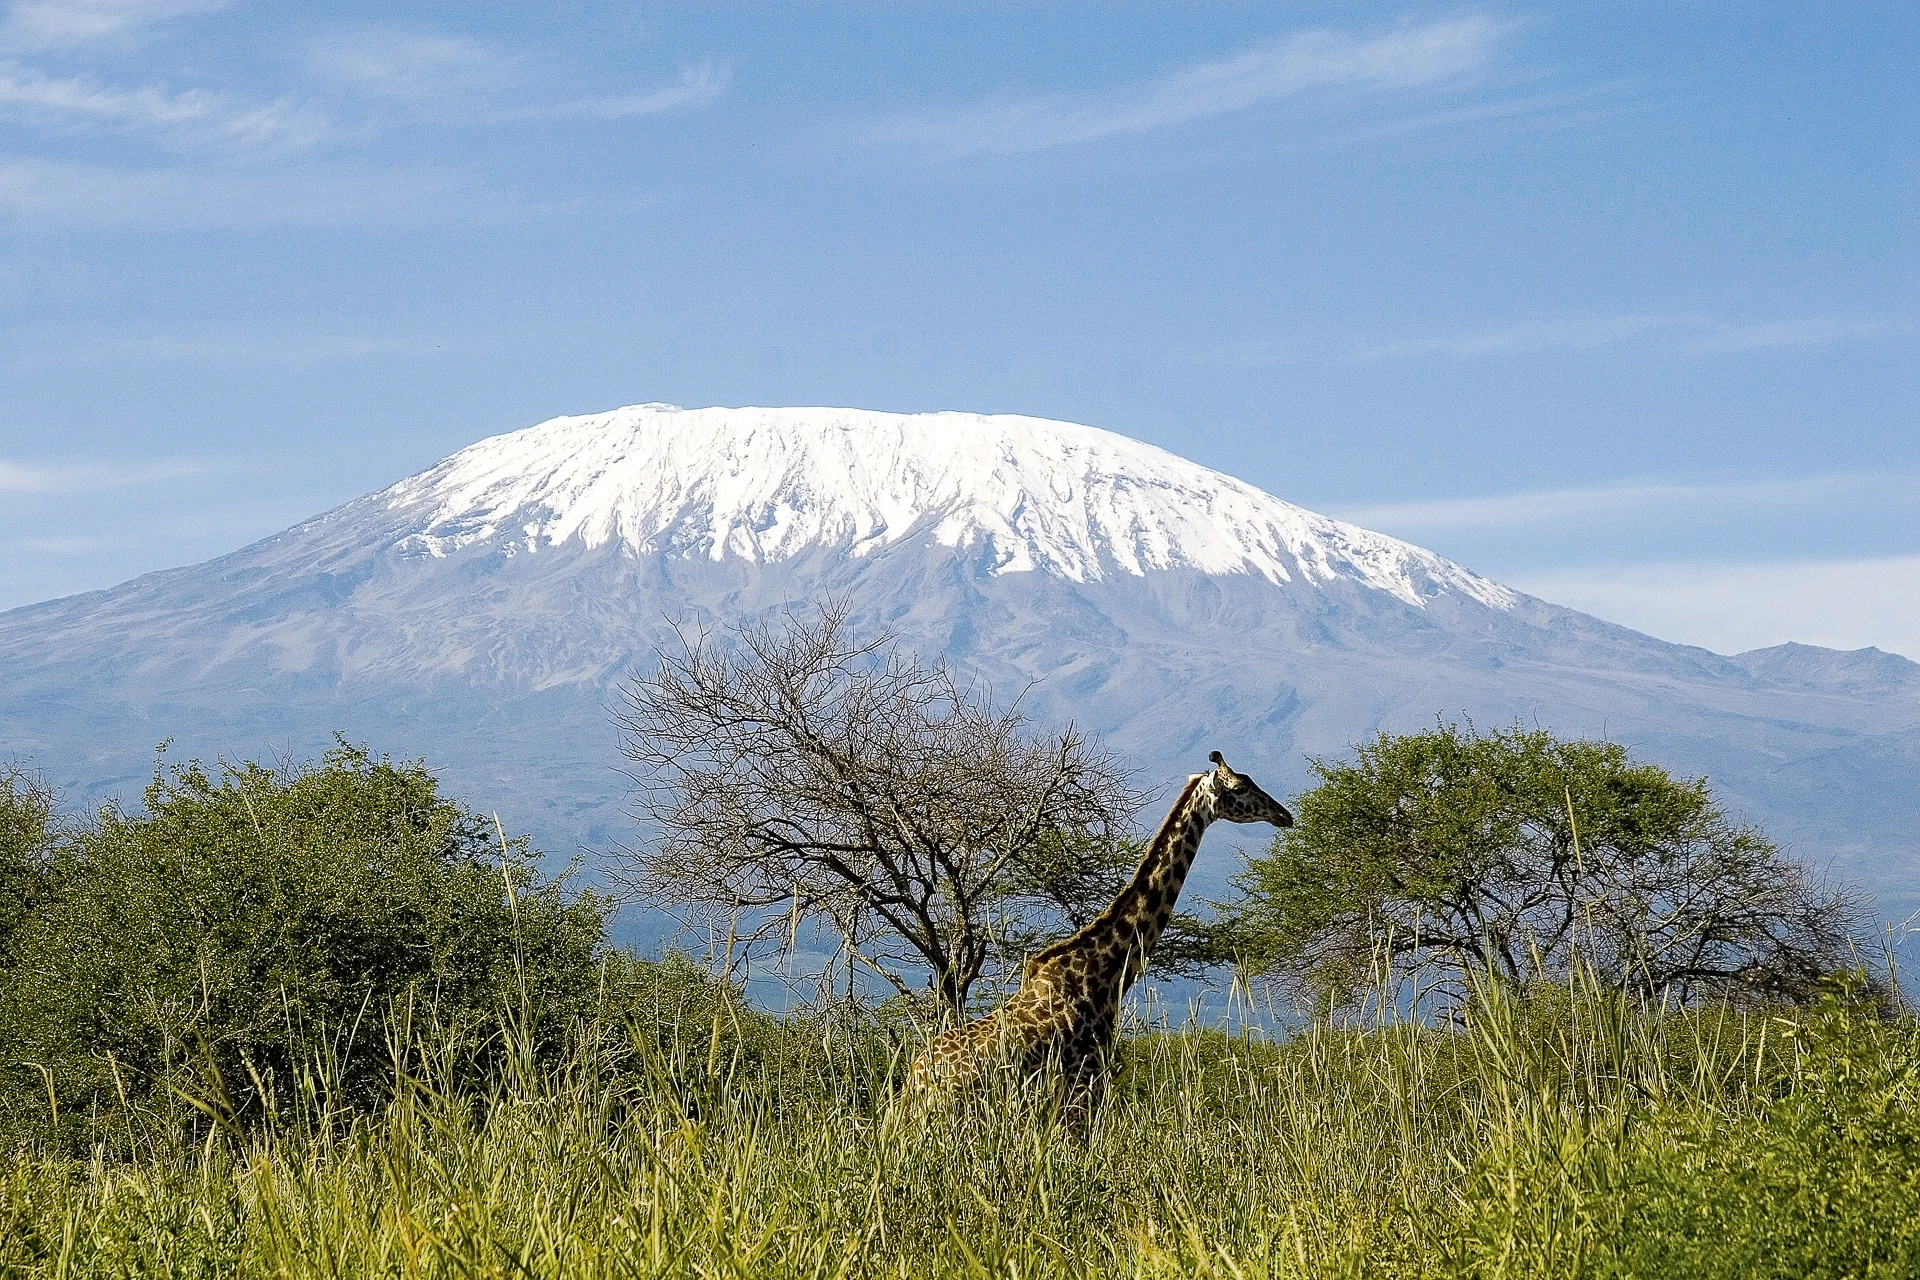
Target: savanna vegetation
pixel 322 1019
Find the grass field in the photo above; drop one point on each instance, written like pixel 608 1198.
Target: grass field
pixel 1563 1134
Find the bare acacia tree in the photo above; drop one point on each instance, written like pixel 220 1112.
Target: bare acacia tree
pixel 802 780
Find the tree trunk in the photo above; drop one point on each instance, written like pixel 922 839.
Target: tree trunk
pixel 954 983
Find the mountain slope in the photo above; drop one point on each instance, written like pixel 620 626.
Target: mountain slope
pixel 483 612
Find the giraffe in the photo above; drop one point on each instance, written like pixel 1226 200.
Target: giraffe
pixel 1069 998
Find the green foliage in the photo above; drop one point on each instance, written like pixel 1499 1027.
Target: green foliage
pixel 27 834
pixel 1802 1162
pixel 1822 1181
pixel 262 923
pixel 1443 854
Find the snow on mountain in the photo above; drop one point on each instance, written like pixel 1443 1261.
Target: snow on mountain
pixel 764 484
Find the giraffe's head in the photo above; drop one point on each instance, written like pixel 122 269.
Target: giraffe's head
pixel 1238 798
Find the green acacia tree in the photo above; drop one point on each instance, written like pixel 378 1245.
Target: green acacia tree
pixel 1453 852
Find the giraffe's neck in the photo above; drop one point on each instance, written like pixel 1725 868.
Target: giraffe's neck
pixel 1130 927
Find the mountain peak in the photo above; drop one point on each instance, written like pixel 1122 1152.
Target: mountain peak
pixel 766 484
pixel 1867 671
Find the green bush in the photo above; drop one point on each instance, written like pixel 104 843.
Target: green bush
pixel 263 926
pixel 1823 1181
pixel 27 833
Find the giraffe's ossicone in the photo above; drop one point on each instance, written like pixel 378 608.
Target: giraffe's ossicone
pixel 1064 1014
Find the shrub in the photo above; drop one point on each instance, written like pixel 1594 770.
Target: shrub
pixel 27 833
pixel 1824 1181
pixel 258 923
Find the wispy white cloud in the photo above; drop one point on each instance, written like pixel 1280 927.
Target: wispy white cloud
pixel 1244 355
pixel 63 546
pixel 1511 509
pixel 409 66
pixel 65 196
pixel 1730 608
pixel 1508 111
pixel 458 79
pixel 1579 334
pixel 1816 332
pixel 67 24
pixel 88 477
pixel 254 347
pixel 1409 56
pixel 1695 335
pixel 407 76
pixel 192 117
pixel 696 87
pixel 265 348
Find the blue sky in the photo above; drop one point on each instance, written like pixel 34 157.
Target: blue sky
pixel 1614 303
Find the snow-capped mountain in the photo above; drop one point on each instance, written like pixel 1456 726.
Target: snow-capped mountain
pixel 483 613
pixel 765 485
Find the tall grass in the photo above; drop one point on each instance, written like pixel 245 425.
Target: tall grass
pixel 1560 1132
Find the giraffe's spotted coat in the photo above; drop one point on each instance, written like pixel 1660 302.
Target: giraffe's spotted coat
pixel 1068 1003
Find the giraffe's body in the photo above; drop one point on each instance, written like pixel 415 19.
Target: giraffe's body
pixel 1068 1003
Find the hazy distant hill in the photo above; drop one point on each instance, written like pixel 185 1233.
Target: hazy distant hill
pixel 482 613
